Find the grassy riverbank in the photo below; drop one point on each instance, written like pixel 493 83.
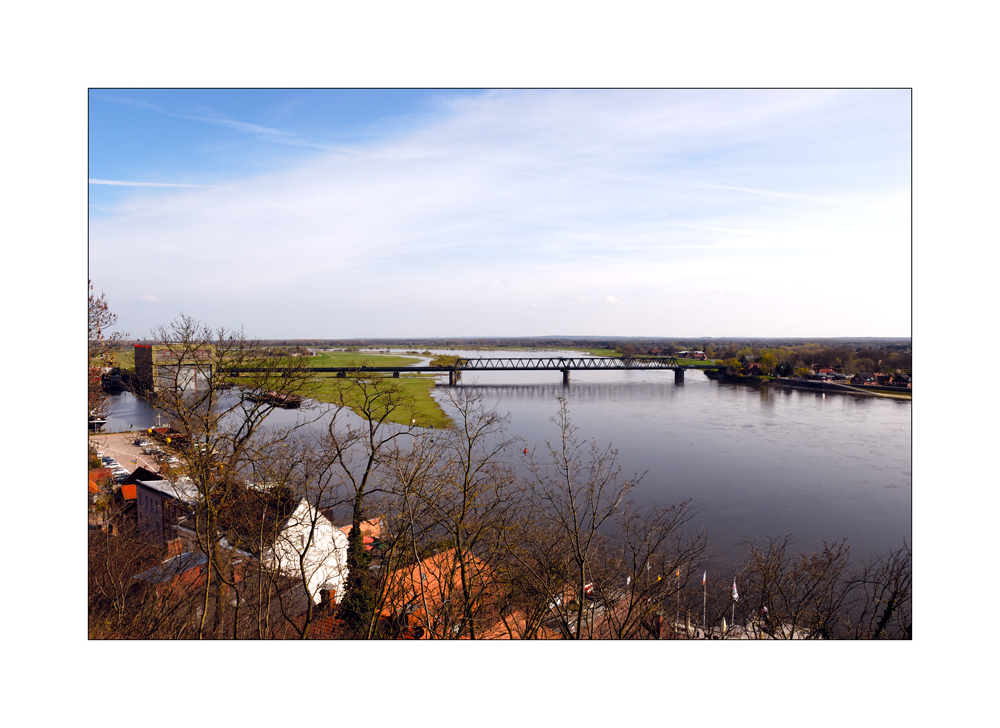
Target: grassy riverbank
pixel 326 387
pixel 415 390
pixel 356 359
pixel 125 359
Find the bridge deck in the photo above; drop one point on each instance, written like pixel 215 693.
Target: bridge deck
pixel 560 363
pixel 499 364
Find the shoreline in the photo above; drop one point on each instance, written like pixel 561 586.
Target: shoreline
pixel 825 387
pixel 814 386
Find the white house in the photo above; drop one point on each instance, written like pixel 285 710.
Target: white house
pixel 309 532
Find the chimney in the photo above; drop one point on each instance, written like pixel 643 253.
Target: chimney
pixel 325 598
pixel 174 547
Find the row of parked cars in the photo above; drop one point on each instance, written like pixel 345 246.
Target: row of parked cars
pixel 149 448
pixel 118 471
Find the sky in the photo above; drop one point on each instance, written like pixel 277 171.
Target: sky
pixel 424 213
pixel 850 146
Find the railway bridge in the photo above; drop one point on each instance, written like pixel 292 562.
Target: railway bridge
pixel 505 364
pixel 563 364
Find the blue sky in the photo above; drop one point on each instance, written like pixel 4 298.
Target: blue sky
pixel 503 213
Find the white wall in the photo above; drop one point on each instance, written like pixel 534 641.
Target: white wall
pixel 325 562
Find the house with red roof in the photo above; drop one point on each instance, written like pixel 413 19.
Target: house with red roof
pixel 370 531
pixel 427 598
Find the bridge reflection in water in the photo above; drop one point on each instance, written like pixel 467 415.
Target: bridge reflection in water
pixel 586 392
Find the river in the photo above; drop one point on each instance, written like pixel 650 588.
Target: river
pixel 753 461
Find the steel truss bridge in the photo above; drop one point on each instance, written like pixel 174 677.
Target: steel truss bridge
pixel 501 364
pixel 563 364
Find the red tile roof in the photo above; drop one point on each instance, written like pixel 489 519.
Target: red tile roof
pixel 100 474
pixel 431 590
pixel 370 531
pixel 368 528
pixel 514 626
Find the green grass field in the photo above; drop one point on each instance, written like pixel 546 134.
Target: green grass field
pixel 124 359
pixel 593 352
pixel 416 391
pixel 326 387
pixel 356 359
pixel 698 363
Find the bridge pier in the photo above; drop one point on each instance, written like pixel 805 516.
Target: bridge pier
pixel 454 377
pixel 341 375
pixel 395 375
pixel 678 376
pixel 565 377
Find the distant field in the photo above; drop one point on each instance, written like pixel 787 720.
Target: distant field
pixel 326 387
pixel 356 359
pixel 124 359
pixel 420 406
pixel 416 388
pixel 698 363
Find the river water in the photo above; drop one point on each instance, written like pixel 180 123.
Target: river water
pixel 754 462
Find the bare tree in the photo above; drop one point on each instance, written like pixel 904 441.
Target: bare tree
pixel 132 593
pixel 589 563
pixel 650 561
pixel 882 595
pixel 351 456
pixel 818 595
pixel 787 595
pixel 102 345
pixel 576 497
pixel 462 497
pixel 217 424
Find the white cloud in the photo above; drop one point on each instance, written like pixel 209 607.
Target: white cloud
pixel 656 194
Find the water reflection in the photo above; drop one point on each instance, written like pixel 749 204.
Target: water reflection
pixel 753 461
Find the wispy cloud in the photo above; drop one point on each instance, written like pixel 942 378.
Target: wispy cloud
pixel 512 211
pixel 129 183
pixel 273 134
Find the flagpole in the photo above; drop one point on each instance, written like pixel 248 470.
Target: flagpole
pixel 704 603
pixel 736 598
pixel 678 596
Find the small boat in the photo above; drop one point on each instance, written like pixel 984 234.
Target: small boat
pixel 96 421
